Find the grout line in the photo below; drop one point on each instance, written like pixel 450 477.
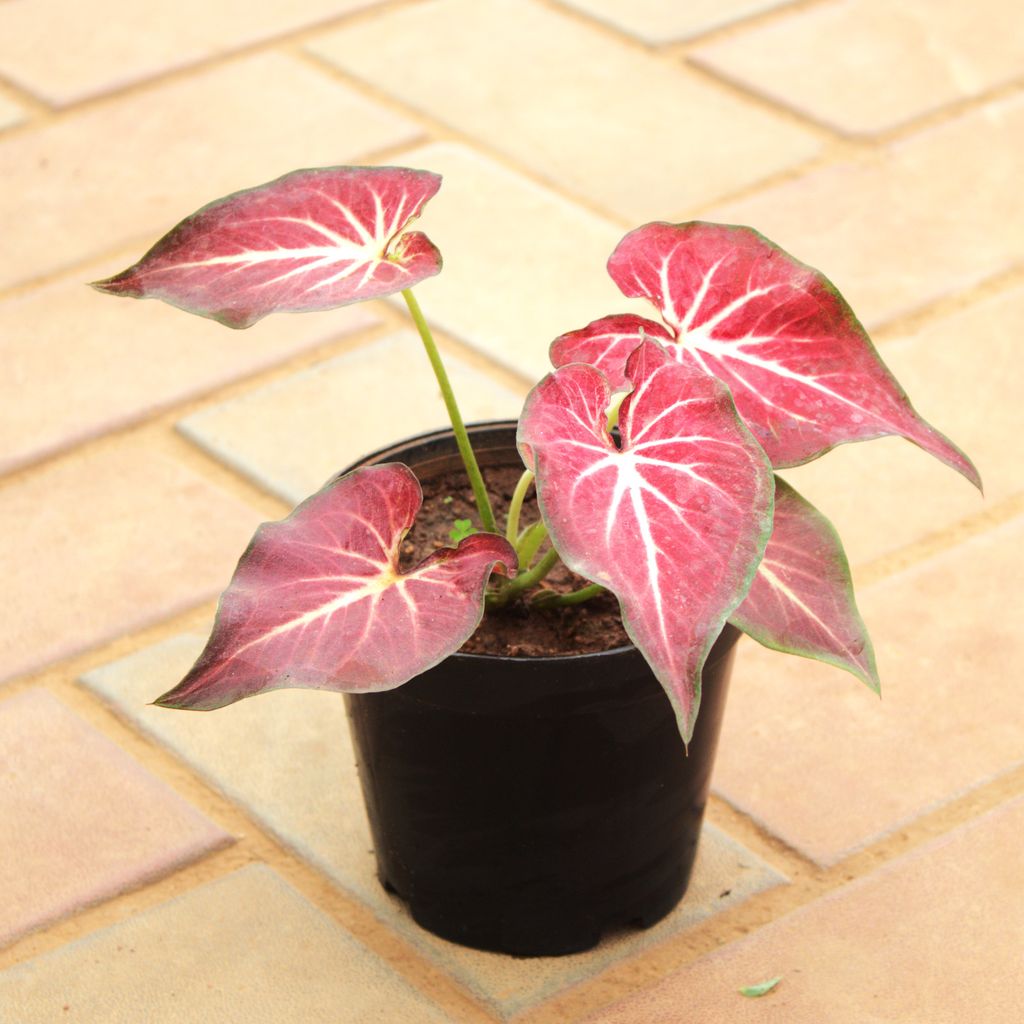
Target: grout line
pixel 950 111
pixel 782 11
pixel 440 131
pixel 752 96
pixel 880 139
pixel 160 423
pixel 33 107
pixel 832 154
pixel 253 844
pixel 204 62
pixel 808 883
pixel 128 251
pixel 925 548
pixel 904 324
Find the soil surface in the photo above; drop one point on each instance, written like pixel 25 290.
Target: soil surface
pixel 516 630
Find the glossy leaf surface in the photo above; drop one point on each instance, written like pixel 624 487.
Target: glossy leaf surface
pixel 314 239
pixel 803 372
pixel 318 600
pixel 801 599
pixel 673 522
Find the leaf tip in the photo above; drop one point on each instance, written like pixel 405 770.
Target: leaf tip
pixel 119 284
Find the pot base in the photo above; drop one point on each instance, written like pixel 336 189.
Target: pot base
pixel 524 930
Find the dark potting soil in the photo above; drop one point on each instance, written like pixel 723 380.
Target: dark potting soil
pixel 515 630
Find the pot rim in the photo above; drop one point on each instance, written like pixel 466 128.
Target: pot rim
pixel 438 434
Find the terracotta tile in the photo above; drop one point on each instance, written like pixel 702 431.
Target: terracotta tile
pixel 961 374
pixel 655 21
pixel 910 223
pixel 887 63
pixel 347 407
pixel 127 361
pixel 244 948
pixel 82 820
pixel 303 740
pixel 640 136
pixel 129 169
pixel 105 544
pixel 105 46
pixel 797 733
pixel 935 936
pixel 521 264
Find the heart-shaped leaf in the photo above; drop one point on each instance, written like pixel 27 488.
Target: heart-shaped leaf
pixel 673 521
pixel 801 599
pixel 802 370
pixel 318 600
pixel 314 239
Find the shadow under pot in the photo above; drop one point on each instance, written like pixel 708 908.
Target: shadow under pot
pixel 526 805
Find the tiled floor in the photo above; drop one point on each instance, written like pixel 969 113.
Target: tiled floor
pixel 163 867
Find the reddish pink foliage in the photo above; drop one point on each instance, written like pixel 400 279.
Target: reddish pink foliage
pixel 801 600
pixel 673 523
pixel 803 372
pixel 311 240
pixel 317 600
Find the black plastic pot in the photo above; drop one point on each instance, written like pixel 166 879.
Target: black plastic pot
pixel 526 805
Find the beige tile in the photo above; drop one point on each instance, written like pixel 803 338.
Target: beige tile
pixel 655 21
pixel 910 223
pixel 105 46
pixel 126 360
pixel 303 787
pixel 642 136
pixel 798 734
pixel 961 373
pixel 887 63
pixel 82 820
pixel 293 435
pixel 114 540
pixel 935 936
pixel 242 949
pixel 521 265
pixel 11 113
pixel 129 169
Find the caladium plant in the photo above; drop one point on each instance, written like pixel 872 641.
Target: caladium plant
pixel 652 446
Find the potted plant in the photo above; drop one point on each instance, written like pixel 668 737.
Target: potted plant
pixel 523 803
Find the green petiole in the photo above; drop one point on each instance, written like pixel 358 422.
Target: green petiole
pixel 516 506
pixel 476 480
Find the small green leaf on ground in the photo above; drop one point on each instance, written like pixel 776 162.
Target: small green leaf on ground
pixel 461 530
pixel 447 500
pixel 755 991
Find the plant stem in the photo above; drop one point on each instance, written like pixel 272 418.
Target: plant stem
pixel 525 579
pixel 516 506
pixel 529 541
pixel 476 480
pixel 553 600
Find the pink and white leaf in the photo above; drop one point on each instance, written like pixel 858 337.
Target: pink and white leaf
pixel 313 239
pixel 318 600
pixel 801 599
pixel 802 370
pixel 607 344
pixel 673 522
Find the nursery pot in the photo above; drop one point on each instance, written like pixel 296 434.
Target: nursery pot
pixel 526 805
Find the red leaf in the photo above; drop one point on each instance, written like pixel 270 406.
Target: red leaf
pixel 674 522
pixel 313 239
pixel 317 599
pixel 802 370
pixel 801 600
pixel 607 344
